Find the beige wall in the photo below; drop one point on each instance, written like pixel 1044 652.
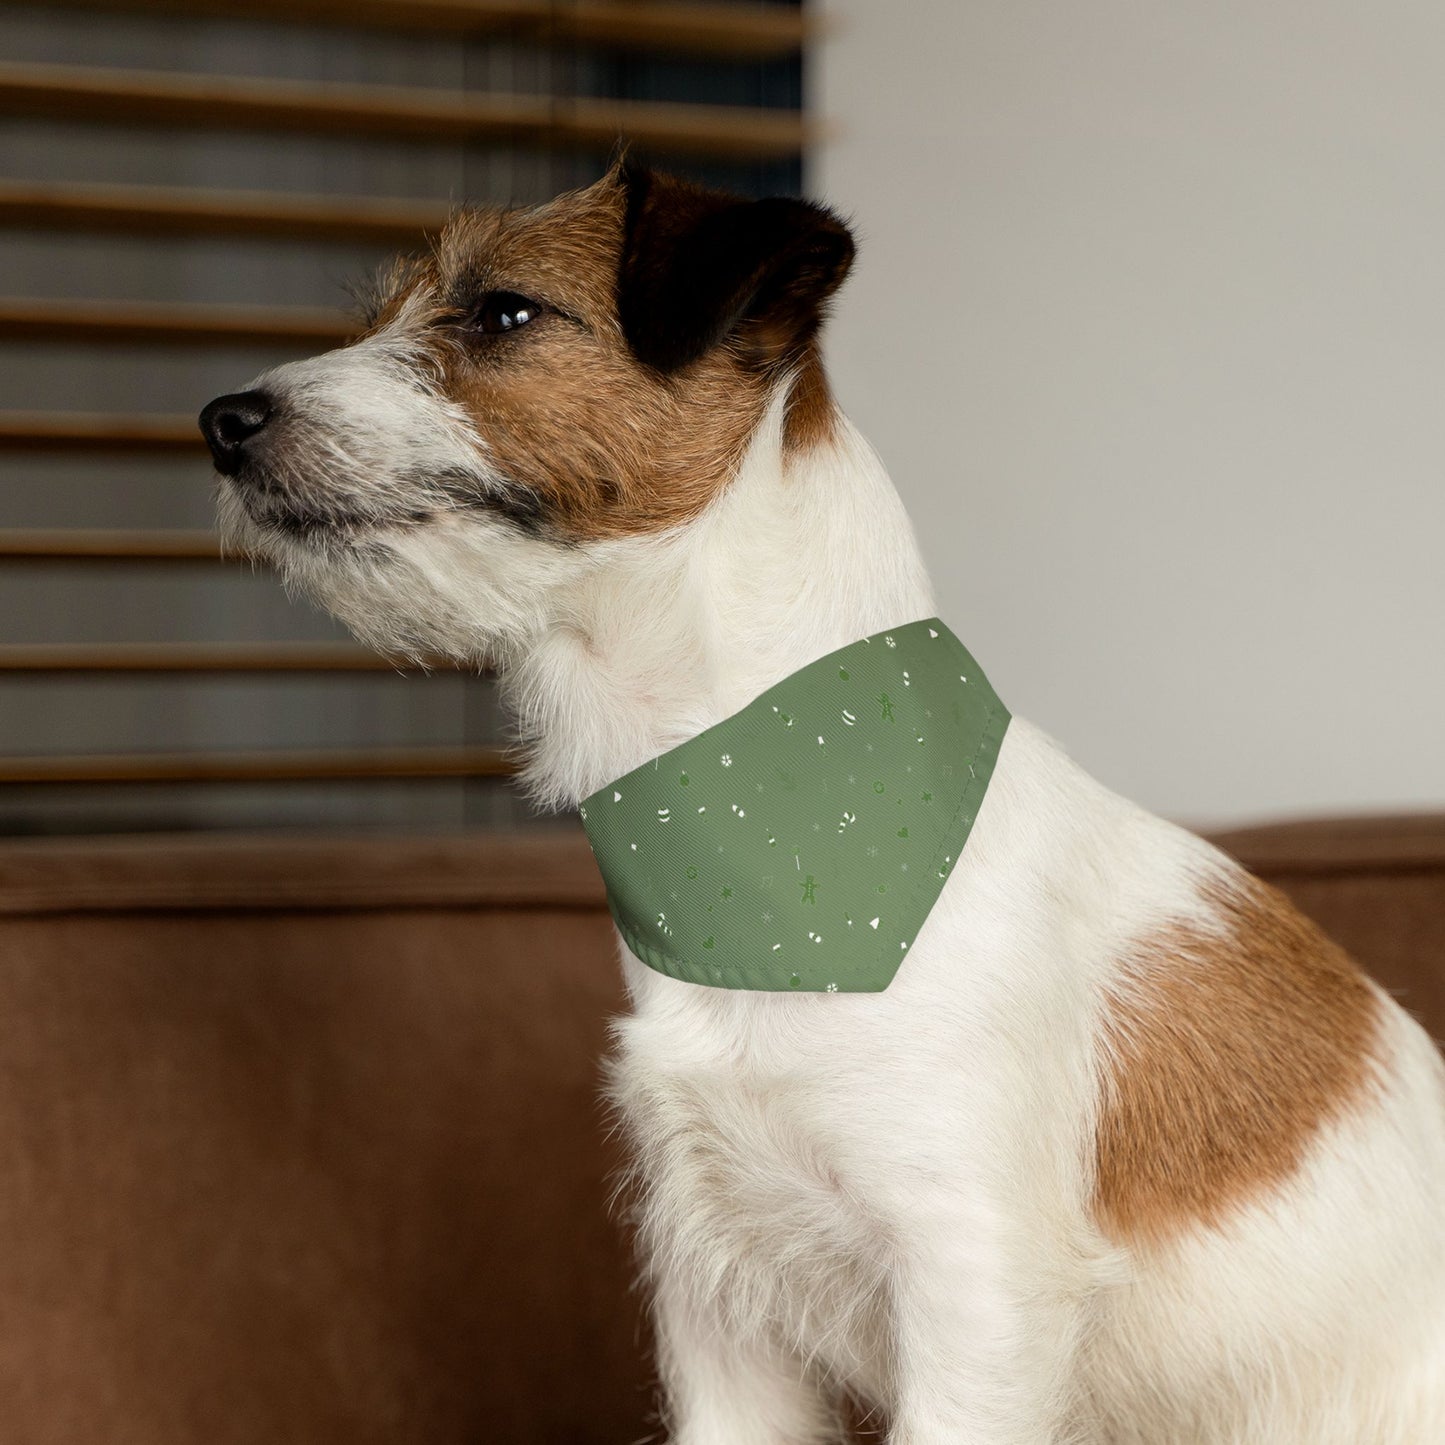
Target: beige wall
pixel 1149 323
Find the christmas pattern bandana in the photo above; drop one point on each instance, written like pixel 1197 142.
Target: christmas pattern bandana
pixel 801 843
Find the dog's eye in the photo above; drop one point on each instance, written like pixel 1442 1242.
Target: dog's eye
pixel 504 311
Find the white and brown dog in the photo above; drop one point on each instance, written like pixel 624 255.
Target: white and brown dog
pixel 1127 1152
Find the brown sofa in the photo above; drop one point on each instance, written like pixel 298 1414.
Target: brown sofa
pixel 302 1141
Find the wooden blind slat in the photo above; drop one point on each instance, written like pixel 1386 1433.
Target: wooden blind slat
pixel 271 766
pixel 218 102
pixel 77 431
pixel 83 544
pixel 98 432
pixel 754 32
pixel 186 657
pixel 763 32
pixel 172 211
pixel 171 323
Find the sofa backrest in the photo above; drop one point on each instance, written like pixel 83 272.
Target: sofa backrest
pixel 302 1142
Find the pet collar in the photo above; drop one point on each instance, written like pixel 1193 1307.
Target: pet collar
pixel 802 842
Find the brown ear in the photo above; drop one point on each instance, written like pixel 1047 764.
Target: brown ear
pixel 699 266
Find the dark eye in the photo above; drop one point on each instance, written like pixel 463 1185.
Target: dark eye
pixel 504 311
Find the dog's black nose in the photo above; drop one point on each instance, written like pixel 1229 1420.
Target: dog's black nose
pixel 229 422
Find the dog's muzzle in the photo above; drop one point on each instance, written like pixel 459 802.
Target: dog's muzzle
pixel 232 422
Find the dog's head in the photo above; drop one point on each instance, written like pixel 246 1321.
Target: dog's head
pixel 544 383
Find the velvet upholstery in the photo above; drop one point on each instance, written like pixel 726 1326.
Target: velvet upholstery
pixel 300 1138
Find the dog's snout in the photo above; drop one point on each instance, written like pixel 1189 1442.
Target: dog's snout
pixel 229 422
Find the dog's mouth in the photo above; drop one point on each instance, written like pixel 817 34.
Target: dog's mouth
pixel 286 507
pixel 253 446
pixel 287 504
pixel 294 480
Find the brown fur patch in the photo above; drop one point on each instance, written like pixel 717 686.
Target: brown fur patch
pixel 812 415
pixel 1227 1052
pixel 605 445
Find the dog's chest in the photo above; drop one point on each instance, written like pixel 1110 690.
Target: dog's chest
pixel 745 1184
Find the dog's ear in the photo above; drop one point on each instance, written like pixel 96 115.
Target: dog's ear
pixel 700 266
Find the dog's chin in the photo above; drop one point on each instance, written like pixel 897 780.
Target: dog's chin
pixel 240 533
pixel 464 587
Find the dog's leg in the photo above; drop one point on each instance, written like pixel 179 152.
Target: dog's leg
pixel 985 1340
pixel 720 1388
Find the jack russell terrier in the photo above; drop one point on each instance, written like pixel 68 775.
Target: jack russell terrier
pixel 956 1085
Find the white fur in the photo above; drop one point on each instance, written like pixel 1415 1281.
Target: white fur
pixel 889 1194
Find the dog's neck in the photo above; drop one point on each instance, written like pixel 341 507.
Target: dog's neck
pixel 802 554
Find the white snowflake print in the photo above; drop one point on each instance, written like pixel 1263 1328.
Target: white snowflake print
pixel 726 760
pixel 832 988
pixel 890 642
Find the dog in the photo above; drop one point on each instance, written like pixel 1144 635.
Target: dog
pixel 1126 1153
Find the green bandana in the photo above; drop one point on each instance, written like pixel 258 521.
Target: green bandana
pixel 802 842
